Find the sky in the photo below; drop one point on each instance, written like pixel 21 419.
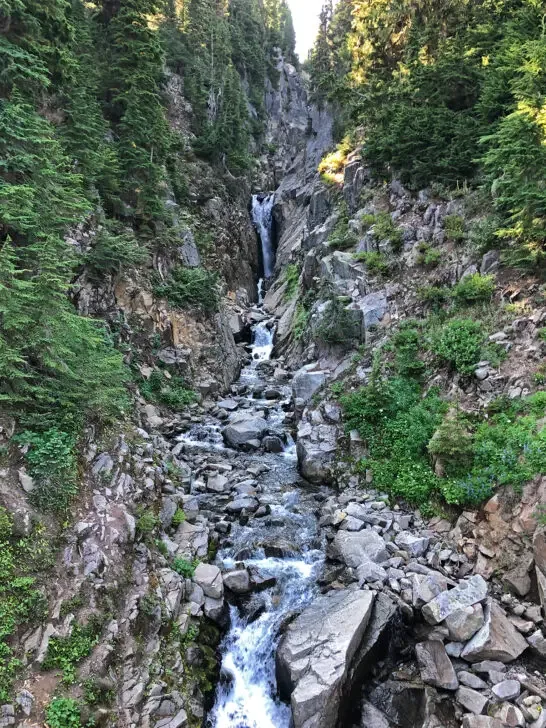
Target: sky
pixel 306 23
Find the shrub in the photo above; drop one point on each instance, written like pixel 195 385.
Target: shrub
pixel 63 713
pixel 483 234
pixel 178 518
pixel 474 289
pixel 428 256
pixel 191 287
pixel 66 653
pixel 375 262
pixel 300 321
pixel 338 326
pixel 114 250
pixel 341 237
pixel 452 445
pixel 436 296
pixel 459 344
pixel 291 279
pixel 454 228
pixel 184 567
pixel 386 230
pixel 52 462
pixel 147 522
pixel 171 392
pixel 407 343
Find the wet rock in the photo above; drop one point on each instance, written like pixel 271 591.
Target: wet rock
pixel 238 434
pixel 435 666
pixel 245 503
pixel 217 483
pixel 467 593
pixel 272 443
pixel 237 581
pixel 354 548
pixel 315 654
pixel 209 578
pixel 472 700
pixel 307 381
pixel 498 639
pixel 228 404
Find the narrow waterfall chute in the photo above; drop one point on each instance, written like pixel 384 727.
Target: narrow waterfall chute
pixel 262 216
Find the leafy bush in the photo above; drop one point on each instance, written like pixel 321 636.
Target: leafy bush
pixel 459 344
pixel 63 713
pixel 454 228
pixel 474 289
pixel 66 653
pixel 436 296
pixel 52 462
pixel 300 321
pixel 178 518
pixel 375 262
pixel 291 279
pixel 407 343
pixel 147 522
pixel 191 287
pixel 452 445
pixel 342 238
pixel 171 392
pixel 113 251
pixel 338 326
pixel 428 255
pixel 386 230
pixel 184 567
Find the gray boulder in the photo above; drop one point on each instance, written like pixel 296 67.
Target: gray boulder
pixel 472 700
pixel 480 721
pixel 209 578
pixel 435 666
pixel 238 434
pixel 307 381
pixel 467 593
pixel 315 655
pixel 356 547
pixel 464 623
pixel 373 718
pixel 497 640
pixel 237 581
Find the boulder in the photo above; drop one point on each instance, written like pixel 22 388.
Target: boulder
pixel 480 721
pixel 498 639
pixel 464 623
pixel 467 593
pixel 209 578
pixel 238 434
pixel 315 655
pixel 507 690
pixel 435 666
pixel 237 581
pixel 414 545
pixel 316 450
pixel 307 381
pixel 472 700
pixel 372 718
pixel 355 547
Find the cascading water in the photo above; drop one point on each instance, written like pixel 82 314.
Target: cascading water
pixel 262 216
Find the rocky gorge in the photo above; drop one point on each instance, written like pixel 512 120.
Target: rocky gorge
pixel 227 563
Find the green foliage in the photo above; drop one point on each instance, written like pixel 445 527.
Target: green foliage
pixel 407 343
pixel 428 256
pixel 65 653
pixel 452 445
pixel 375 262
pixel 454 228
pixel 147 522
pixel 184 567
pixel 341 238
pixel 338 326
pixel 52 462
pixel 458 344
pixel 191 287
pixel 171 392
pixel 21 602
pixel 178 518
pixel 474 289
pixel 435 296
pixel 386 230
pixel 63 713
pixel 300 321
pixel 292 280
pixel 113 251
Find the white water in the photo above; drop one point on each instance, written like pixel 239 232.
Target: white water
pixel 262 216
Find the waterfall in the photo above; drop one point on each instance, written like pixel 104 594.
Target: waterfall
pixel 262 216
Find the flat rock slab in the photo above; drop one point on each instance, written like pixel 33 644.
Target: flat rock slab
pixel 209 578
pixel 497 640
pixel 435 666
pixel 356 547
pixel 315 655
pixel 466 594
pixel 472 700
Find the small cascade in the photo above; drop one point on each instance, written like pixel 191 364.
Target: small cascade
pixel 262 216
